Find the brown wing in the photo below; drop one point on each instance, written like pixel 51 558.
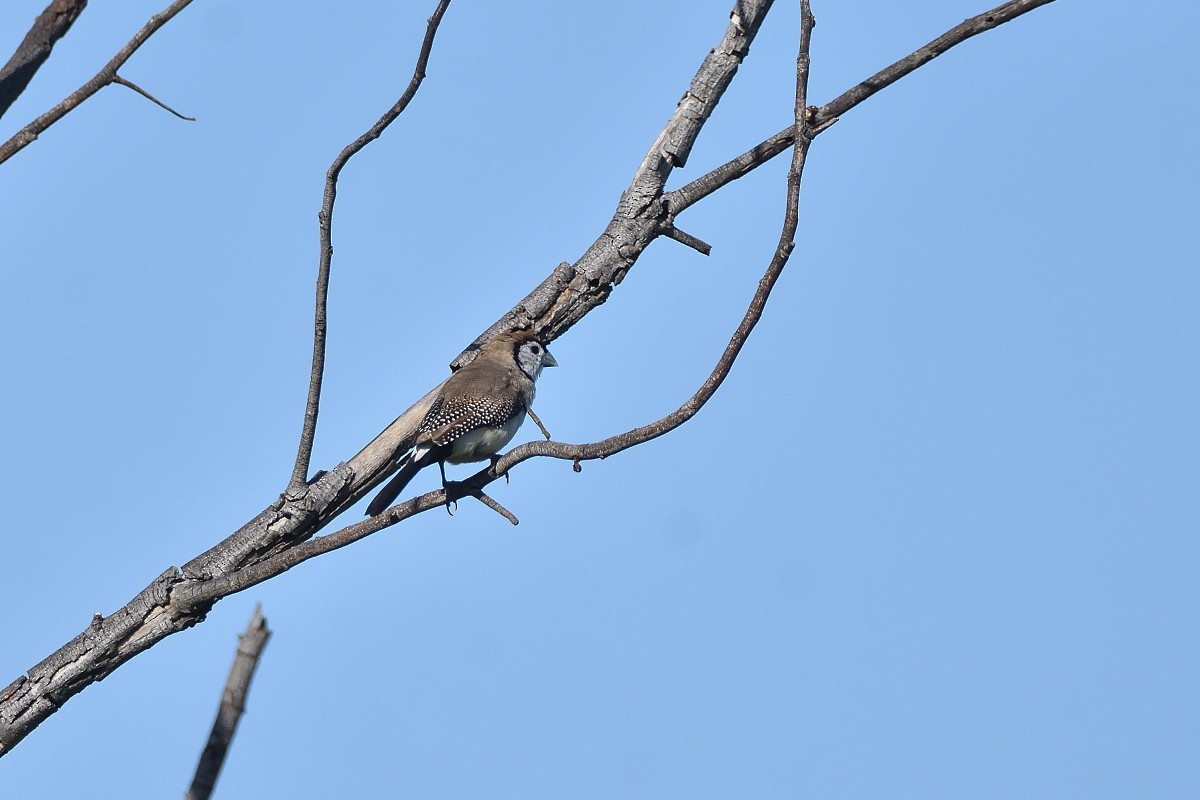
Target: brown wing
pixel 451 418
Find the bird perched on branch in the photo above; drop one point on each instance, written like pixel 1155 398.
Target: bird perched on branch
pixel 477 411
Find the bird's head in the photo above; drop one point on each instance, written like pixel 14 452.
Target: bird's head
pixel 519 346
pixel 532 356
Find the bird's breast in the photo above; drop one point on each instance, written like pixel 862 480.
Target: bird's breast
pixel 484 442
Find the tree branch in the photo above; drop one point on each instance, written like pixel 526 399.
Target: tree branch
pixel 213 590
pixel 30 132
pixel 50 26
pixel 829 113
pixel 316 377
pixel 802 135
pixel 573 290
pixel 117 79
pixel 566 296
pixel 281 535
pixel 233 703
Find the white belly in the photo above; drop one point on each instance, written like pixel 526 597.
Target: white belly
pixel 483 443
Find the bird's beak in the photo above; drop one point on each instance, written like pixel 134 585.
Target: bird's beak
pixel 548 360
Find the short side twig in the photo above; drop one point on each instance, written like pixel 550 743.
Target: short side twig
pixel 104 77
pixel 684 238
pixel 494 506
pixel 131 85
pixel 233 703
pixel 325 218
pixel 539 424
pixel 50 26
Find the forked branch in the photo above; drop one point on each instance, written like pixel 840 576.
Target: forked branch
pixel 325 218
pixel 104 77
pixel 280 536
pixel 829 113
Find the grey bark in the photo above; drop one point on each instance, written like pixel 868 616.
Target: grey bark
pixel 279 536
pixel 232 705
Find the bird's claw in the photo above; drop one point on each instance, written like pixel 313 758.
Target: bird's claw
pixel 446 487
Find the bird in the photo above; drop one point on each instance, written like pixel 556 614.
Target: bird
pixel 476 412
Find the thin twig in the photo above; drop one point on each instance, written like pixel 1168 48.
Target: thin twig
pixel 279 537
pixel 974 26
pixel 556 305
pixel 103 78
pixel 473 486
pixel 539 424
pixel 131 85
pixel 802 136
pixel 233 703
pixel 494 506
pixel 325 218
pixel 829 113
pixel 50 26
pixel 683 237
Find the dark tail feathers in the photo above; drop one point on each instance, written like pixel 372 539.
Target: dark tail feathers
pixel 388 494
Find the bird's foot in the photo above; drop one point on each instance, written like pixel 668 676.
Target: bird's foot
pixel 450 488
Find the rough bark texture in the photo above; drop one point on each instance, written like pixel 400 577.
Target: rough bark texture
pixel 233 703
pixel 281 536
pixel 50 26
pixel 175 601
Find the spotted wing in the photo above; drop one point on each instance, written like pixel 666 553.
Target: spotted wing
pixel 450 418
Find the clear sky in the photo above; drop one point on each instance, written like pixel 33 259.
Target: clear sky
pixel 936 537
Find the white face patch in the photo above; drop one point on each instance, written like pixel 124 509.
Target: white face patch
pixel 532 357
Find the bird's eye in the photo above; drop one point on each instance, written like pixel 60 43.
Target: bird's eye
pixel 536 349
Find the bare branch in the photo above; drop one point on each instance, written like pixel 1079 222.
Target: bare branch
pixel 213 590
pixel 974 26
pixel 699 245
pixel 494 506
pixel 539 424
pixel 233 703
pixel 572 291
pixel 641 216
pixel 280 536
pixel 316 377
pixel 103 78
pixel 829 113
pixel 117 79
pixel 802 136
pixel 50 26
pixel 747 162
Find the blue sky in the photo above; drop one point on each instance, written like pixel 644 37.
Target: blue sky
pixel 936 536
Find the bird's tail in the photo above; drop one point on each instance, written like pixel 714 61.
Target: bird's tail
pixel 387 495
